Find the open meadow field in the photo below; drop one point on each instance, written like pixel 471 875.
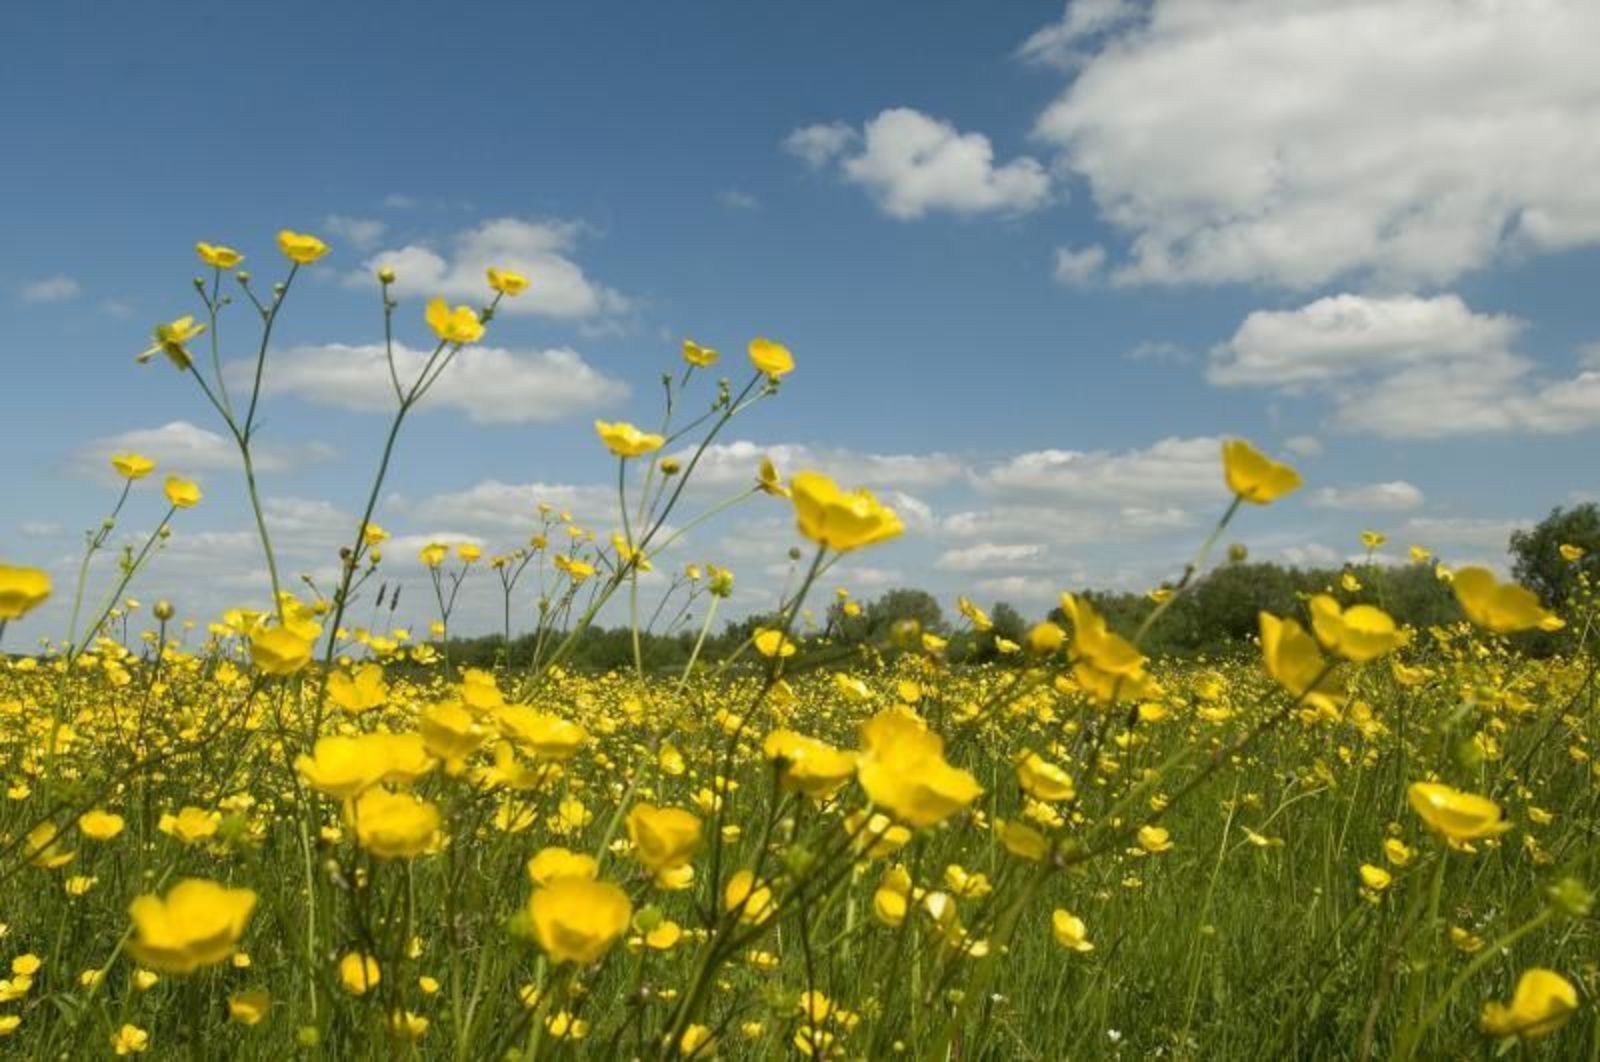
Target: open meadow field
pixel 383 677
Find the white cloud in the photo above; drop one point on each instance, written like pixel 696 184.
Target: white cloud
pixel 1297 142
pixel 985 556
pixel 57 288
pixel 1303 445
pixel 1589 355
pixel 1159 351
pixel 734 463
pixel 397 201
pixel 185 448
pixel 1406 367
pixel 912 163
pixel 502 509
pixel 818 145
pixel 491 385
pixel 1080 268
pixel 1480 533
pixel 1394 496
pixel 1171 472
pixel 1311 555
pixel 361 233
pixel 735 199
pixel 1017 588
pixel 558 286
pixel 1060 43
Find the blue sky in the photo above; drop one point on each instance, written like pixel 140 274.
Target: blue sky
pixel 1043 257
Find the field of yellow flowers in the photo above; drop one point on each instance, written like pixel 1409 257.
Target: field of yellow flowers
pixel 303 837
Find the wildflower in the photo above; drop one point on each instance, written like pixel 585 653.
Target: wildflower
pixel 359 973
pixel 191 825
pixel 625 440
pixel 1541 1004
pixel 451 732
pixel 1042 779
pixel 550 864
pixel 181 493
pixel 698 356
pixel 1253 476
pixel 172 339
pixel 215 254
pixel 458 326
pixel 1292 658
pixel 279 651
pixel 838 519
pixel 360 692
pixel 663 838
pixel 299 247
pixel 393 825
pixel 1504 608
pixel 1396 852
pixel 249 1007
pixel 773 643
pixel 132 466
pixel 1154 839
pixel 506 282
pixel 807 765
pixel 1358 633
pixel 98 825
pixel 576 920
pixel 1373 539
pixel 1374 881
pixel 902 768
pixel 1070 932
pixel 21 590
pixel 771 358
pixel 44 848
pixel 750 899
pixel 130 1040
pixel 544 734
pixel 1570 553
pixel 198 923
pixel 1456 816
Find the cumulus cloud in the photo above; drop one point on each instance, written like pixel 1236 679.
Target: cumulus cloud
pixel 361 233
pixel 730 464
pixel 1171 472
pixel 912 164
pixel 1079 268
pixel 541 250
pixel 1061 44
pixel 185 448
pixel 986 556
pixel 1394 496
pixel 497 508
pixel 1406 366
pixel 491 385
pixel 57 288
pixel 1298 142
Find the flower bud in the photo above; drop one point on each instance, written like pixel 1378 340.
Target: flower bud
pixel 385 275
pixel 163 610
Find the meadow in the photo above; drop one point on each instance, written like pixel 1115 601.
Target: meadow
pixel 283 833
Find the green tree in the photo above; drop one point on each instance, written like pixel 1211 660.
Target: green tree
pixel 1536 558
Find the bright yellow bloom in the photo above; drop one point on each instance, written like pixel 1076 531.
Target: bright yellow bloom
pixel 625 440
pixel 198 923
pixel 451 732
pixel 191 825
pixel 172 339
pixel 182 493
pixel 551 864
pixel 698 356
pixel 299 247
pixel 215 254
pixel 132 466
pixel 1359 633
pixel 21 590
pixel 1293 659
pixel 770 643
pixel 1504 608
pixel 1570 553
pixel 506 282
pixel 457 326
pixel 279 651
pixel 1456 816
pixel 1373 539
pixel 576 920
pixel 1374 878
pixel 663 838
pixel 545 734
pixel 1154 839
pixel 130 1040
pixel 902 768
pixel 360 692
pixel 751 899
pixel 98 825
pixel 359 974
pixel 771 358
pixel 1070 932
pixel 1254 476
pixel 1043 780
pixel 1541 1004
pixel 838 519
pixel 807 765
pixel 767 479
pixel 393 825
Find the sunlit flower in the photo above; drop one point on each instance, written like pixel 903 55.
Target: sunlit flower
pixel 771 358
pixel 578 920
pixel 299 247
pixel 172 339
pixel 1541 1004
pixel 458 326
pixel 1255 477
pixel 198 923
pixel 625 440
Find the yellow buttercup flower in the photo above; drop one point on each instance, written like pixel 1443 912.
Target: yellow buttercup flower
pixel 767 479
pixel 215 254
pixel 625 440
pixel 1043 780
pixel 1504 608
pixel 1373 539
pixel 182 493
pixel 1541 1004
pixel 358 692
pixel 1069 931
pixel 131 466
pixel 22 590
pixel 1254 476
pixel 359 973
pixel 663 838
pixel 506 282
pixel 807 765
pixel 1359 633
pixel 1456 816
pixel 550 864
pixel 434 554
pixel 576 920
pixel 172 340
pixel 1293 659
pixel 771 358
pixel 198 923
pixel 838 519
pixel 902 768
pixel 1570 553
pixel 393 825
pixel 299 247
pixel 457 326
pixel 698 356
pixel 750 898
pixel 770 643
pixel 130 1040
pixel 99 825
pixel 250 1006
pixel 279 651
